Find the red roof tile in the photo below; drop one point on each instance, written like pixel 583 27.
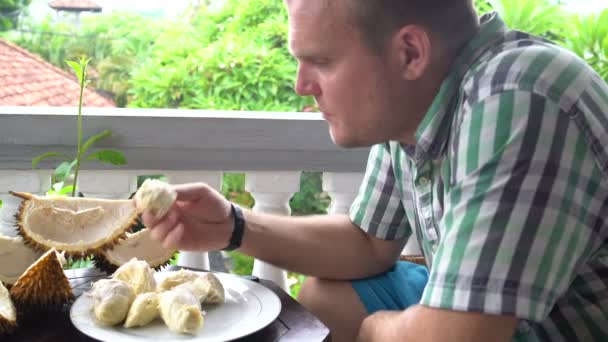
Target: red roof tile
pixel 27 80
pixel 75 5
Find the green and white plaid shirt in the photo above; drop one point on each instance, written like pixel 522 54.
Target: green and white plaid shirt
pixel 506 188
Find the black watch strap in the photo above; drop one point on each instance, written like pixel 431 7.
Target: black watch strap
pixel 238 229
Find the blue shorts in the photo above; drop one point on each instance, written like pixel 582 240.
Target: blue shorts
pixel 396 289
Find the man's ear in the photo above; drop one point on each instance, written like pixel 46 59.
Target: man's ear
pixel 413 47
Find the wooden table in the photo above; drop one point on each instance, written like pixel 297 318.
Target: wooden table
pixel 293 324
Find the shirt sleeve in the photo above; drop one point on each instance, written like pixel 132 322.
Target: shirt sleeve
pixel 518 215
pixel 378 209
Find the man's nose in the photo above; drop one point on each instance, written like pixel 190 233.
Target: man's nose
pixel 305 86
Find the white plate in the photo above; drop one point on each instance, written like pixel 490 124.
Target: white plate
pixel 248 308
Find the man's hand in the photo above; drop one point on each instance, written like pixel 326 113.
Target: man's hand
pixel 420 323
pixel 200 219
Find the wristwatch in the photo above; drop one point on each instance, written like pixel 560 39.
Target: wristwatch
pixel 238 229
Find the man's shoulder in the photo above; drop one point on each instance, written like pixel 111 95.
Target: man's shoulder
pixel 522 62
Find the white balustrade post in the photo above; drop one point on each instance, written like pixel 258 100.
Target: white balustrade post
pixel 36 182
pixel 342 188
pixel 272 191
pixel 198 260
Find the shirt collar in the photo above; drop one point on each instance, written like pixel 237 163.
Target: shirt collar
pixel 433 132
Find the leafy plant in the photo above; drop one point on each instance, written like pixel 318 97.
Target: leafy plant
pixel 71 165
pixel 589 39
pixel 541 17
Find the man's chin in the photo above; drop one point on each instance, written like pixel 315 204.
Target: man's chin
pixel 347 142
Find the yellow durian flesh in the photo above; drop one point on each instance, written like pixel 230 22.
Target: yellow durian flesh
pixel 216 289
pixel 15 258
pixel 143 310
pixel 156 196
pixel 8 313
pixel 199 287
pixel 175 279
pixel 73 224
pixel 138 245
pixel 43 284
pixel 181 311
pixel 113 298
pixel 138 274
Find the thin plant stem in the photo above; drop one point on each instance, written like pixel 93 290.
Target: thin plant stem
pixel 78 151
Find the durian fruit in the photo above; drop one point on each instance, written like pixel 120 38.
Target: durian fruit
pixel 175 279
pixel 138 274
pixel 143 310
pixel 199 287
pixel 15 258
pixel 43 285
pixel 181 311
pixel 138 245
pixel 75 225
pixel 216 293
pixel 156 196
pixel 113 298
pixel 8 313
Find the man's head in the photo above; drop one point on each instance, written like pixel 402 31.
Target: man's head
pixel 375 66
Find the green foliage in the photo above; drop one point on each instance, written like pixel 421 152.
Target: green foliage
pixel 73 263
pixel 483 6
pixel 310 199
pixel 10 11
pixel 589 39
pixel 540 17
pixel 234 59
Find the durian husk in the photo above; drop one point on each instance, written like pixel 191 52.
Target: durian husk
pixel 15 258
pixel 8 313
pixel 138 245
pixel 43 285
pixel 79 226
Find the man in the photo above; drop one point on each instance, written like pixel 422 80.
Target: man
pixel 490 145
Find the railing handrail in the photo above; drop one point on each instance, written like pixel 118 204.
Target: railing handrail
pixel 177 139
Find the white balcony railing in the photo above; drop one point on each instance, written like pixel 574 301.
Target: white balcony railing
pixel 185 145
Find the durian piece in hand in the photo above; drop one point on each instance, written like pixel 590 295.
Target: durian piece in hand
pixel 43 284
pixel 113 299
pixel 175 279
pixel 15 258
pixel 138 274
pixel 75 225
pixel 156 196
pixel 181 311
pixel 143 310
pixel 216 293
pixel 8 313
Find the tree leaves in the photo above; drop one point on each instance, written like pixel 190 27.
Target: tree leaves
pixel 47 155
pixel 113 157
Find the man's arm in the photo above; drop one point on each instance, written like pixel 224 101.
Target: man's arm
pixel 325 246
pixel 421 323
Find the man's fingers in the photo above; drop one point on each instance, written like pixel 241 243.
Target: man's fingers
pixel 191 191
pixel 161 228
pixel 174 237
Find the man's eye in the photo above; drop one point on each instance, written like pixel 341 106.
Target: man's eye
pixel 320 61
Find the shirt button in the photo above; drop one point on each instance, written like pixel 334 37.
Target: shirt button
pixel 423 181
pixel 434 248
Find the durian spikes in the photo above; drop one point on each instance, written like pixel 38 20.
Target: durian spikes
pixel 43 285
pixel 8 313
pixel 79 226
